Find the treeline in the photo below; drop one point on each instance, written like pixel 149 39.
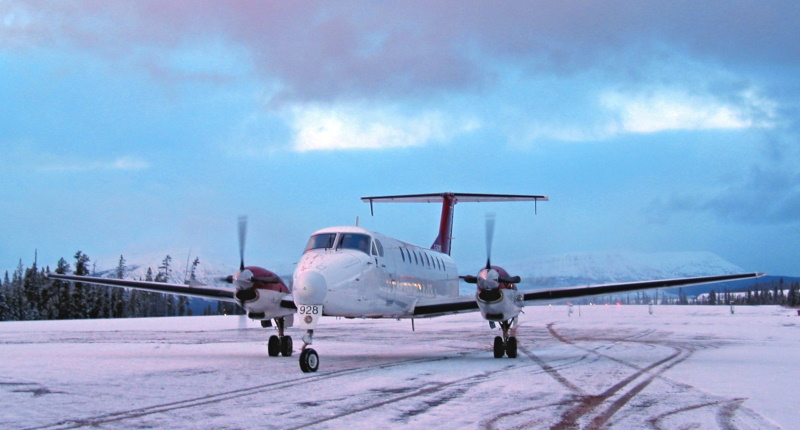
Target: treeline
pixel 768 293
pixel 777 292
pixel 28 294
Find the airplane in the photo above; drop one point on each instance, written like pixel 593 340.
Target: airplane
pixel 352 272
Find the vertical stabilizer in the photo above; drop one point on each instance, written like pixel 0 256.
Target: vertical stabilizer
pixel 449 200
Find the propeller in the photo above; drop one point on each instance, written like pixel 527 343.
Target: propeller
pixel 488 278
pixel 489 239
pixel 242 237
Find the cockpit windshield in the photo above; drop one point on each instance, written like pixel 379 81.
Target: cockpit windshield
pixel 357 241
pixel 321 241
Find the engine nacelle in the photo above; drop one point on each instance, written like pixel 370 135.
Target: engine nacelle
pixel 497 297
pixel 259 291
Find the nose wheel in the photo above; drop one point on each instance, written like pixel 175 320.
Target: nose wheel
pixel 309 360
pixel 505 345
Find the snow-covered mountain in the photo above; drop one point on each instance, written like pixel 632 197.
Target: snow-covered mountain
pixel 586 268
pixel 591 268
pixel 207 271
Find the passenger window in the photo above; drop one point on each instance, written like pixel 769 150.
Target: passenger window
pixel 402 254
pixel 427 259
pixel 415 258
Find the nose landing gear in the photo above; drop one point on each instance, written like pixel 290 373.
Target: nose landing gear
pixel 309 359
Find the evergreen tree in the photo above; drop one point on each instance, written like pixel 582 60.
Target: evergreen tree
pixel 4 309
pixel 122 269
pixel 164 270
pixel 117 302
pixel 79 304
pixel 193 275
pixel 63 291
pixel 183 305
pixel 712 297
pixel 682 299
pixel 791 300
pixel 16 296
pixel 172 307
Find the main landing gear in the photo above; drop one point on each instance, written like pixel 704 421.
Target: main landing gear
pixel 279 344
pixel 505 345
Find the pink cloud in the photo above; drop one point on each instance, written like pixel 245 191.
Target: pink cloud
pixel 325 50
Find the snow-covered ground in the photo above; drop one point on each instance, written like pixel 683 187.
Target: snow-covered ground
pixel 604 366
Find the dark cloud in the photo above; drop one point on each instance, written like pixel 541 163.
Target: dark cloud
pixel 767 194
pixel 328 50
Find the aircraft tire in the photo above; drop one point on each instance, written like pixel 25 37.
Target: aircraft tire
pixel 286 346
pixel 309 360
pixel 499 348
pixel 511 347
pixel 274 346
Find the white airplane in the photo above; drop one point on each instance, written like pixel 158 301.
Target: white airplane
pixel 352 272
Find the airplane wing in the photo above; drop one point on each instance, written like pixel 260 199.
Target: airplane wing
pixel 203 292
pixel 627 287
pixel 437 307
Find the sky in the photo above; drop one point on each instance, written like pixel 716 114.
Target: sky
pixel 137 127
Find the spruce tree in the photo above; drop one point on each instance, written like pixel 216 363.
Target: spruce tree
pixel 122 269
pixel 79 304
pixel 62 290
pixel 4 310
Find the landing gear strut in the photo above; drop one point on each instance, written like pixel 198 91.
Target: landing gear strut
pixel 279 344
pixel 505 345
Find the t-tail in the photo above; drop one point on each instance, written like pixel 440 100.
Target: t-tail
pixel 444 240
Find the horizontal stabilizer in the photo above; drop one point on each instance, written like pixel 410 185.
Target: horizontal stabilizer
pixel 460 197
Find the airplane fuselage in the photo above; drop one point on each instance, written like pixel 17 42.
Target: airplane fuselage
pixel 354 272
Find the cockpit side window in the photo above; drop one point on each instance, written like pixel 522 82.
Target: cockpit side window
pixel 357 241
pixel 380 247
pixel 321 241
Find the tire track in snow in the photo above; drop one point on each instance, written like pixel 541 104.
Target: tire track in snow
pixel 460 386
pixel 221 397
pixel 588 404
pixel 727 408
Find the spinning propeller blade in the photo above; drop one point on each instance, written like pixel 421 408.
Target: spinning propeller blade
pixel 242 237
pixel 489 239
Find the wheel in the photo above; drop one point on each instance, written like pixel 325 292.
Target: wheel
pixel 274 346
pixel 309 360
pixel 286 346
pixel 499 348
pixel 511 347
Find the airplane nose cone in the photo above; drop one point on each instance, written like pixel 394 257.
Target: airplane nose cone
pixel 309 288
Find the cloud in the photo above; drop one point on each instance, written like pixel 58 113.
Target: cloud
pixel 765 193
pixel 317 128
pixel 665 109
pixel 124 163
pixel 325 51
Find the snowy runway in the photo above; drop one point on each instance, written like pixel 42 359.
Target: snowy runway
pixel 618 366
